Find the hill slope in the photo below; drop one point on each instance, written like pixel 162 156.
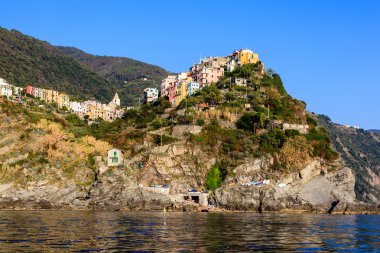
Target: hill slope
pixel 360 151
pixel 377 131
pixel 126 72
pixel 115 68
pixel 25 60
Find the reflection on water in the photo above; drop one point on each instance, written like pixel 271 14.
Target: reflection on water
pixel 80 231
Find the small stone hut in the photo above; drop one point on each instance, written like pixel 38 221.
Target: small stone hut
pixel 115 157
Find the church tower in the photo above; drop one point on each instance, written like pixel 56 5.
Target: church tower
pixel 116 99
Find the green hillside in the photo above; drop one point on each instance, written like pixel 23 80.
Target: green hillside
pixel 25 60
pixel 132 76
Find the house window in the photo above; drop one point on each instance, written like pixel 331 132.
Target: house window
pixel 114 159
pixel 114 153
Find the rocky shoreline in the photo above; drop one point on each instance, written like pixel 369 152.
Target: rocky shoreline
pixel 228 199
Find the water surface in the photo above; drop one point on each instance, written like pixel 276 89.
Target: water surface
pixel 82 231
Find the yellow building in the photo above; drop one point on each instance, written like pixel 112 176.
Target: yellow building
pixel 63 100
pixel 181 91
pixel 247 56
pixel 44 94
pixel 48 96
pixel 177 98
pixel 54 96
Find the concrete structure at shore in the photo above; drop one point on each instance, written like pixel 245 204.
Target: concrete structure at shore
pixel 200 198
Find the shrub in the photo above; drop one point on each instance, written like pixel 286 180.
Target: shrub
pixel 233 104
pixel 200 122
pixel 157 124
pixel 43 160
pixel 75 120
pixel 272 141
pixel 185 119
pixel 90 160
pixel 215 177
pixel 311 121
pixel 291 133
pixel 34 117
pixel 321 144
pixel 295 153
pixel 130 114
pixel 248 120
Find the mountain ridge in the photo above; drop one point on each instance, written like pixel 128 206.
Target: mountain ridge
pixel 27 60
pixel 106 66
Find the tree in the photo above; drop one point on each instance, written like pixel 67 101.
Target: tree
pixel 215 176
pixel 250 120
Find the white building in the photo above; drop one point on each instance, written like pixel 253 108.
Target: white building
pixel 3 82
pixel 17 90
pixel 77 107
pixel 115 157
pixel 182 75
pixel 5 88
pixel 116 99
pixel 192 87
pixel 240 81
pixel 150 95
pixel 39 93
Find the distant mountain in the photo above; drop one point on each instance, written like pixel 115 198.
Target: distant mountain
pixel 25 60
pixel 377 131
pixel 360 151
pixel 131 75
pixel 116 68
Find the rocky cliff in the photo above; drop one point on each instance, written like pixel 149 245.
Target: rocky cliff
pixel 183 165
pixel 241 158
pixel 360 150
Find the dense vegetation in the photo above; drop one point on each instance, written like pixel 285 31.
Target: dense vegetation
pixel 259 130
pixel 129 74
pixel 25 60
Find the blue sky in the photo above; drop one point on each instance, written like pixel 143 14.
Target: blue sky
pixel 327 52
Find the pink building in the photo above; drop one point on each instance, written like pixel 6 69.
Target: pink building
pixel 172 93
pixel 166 83
pixel 29 90
pixel 208 71
pixel 207 76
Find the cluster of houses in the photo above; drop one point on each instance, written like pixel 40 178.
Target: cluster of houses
pixel 175 87
pixel 200 75
pixel 8 90
pixel 90 108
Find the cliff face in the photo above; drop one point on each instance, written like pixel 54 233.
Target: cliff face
pixel 43 166
pixel 360 150
pixel 312 189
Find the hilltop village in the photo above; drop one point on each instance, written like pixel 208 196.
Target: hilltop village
pixel 175 87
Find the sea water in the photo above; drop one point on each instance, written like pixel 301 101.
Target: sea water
pixel 87 231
